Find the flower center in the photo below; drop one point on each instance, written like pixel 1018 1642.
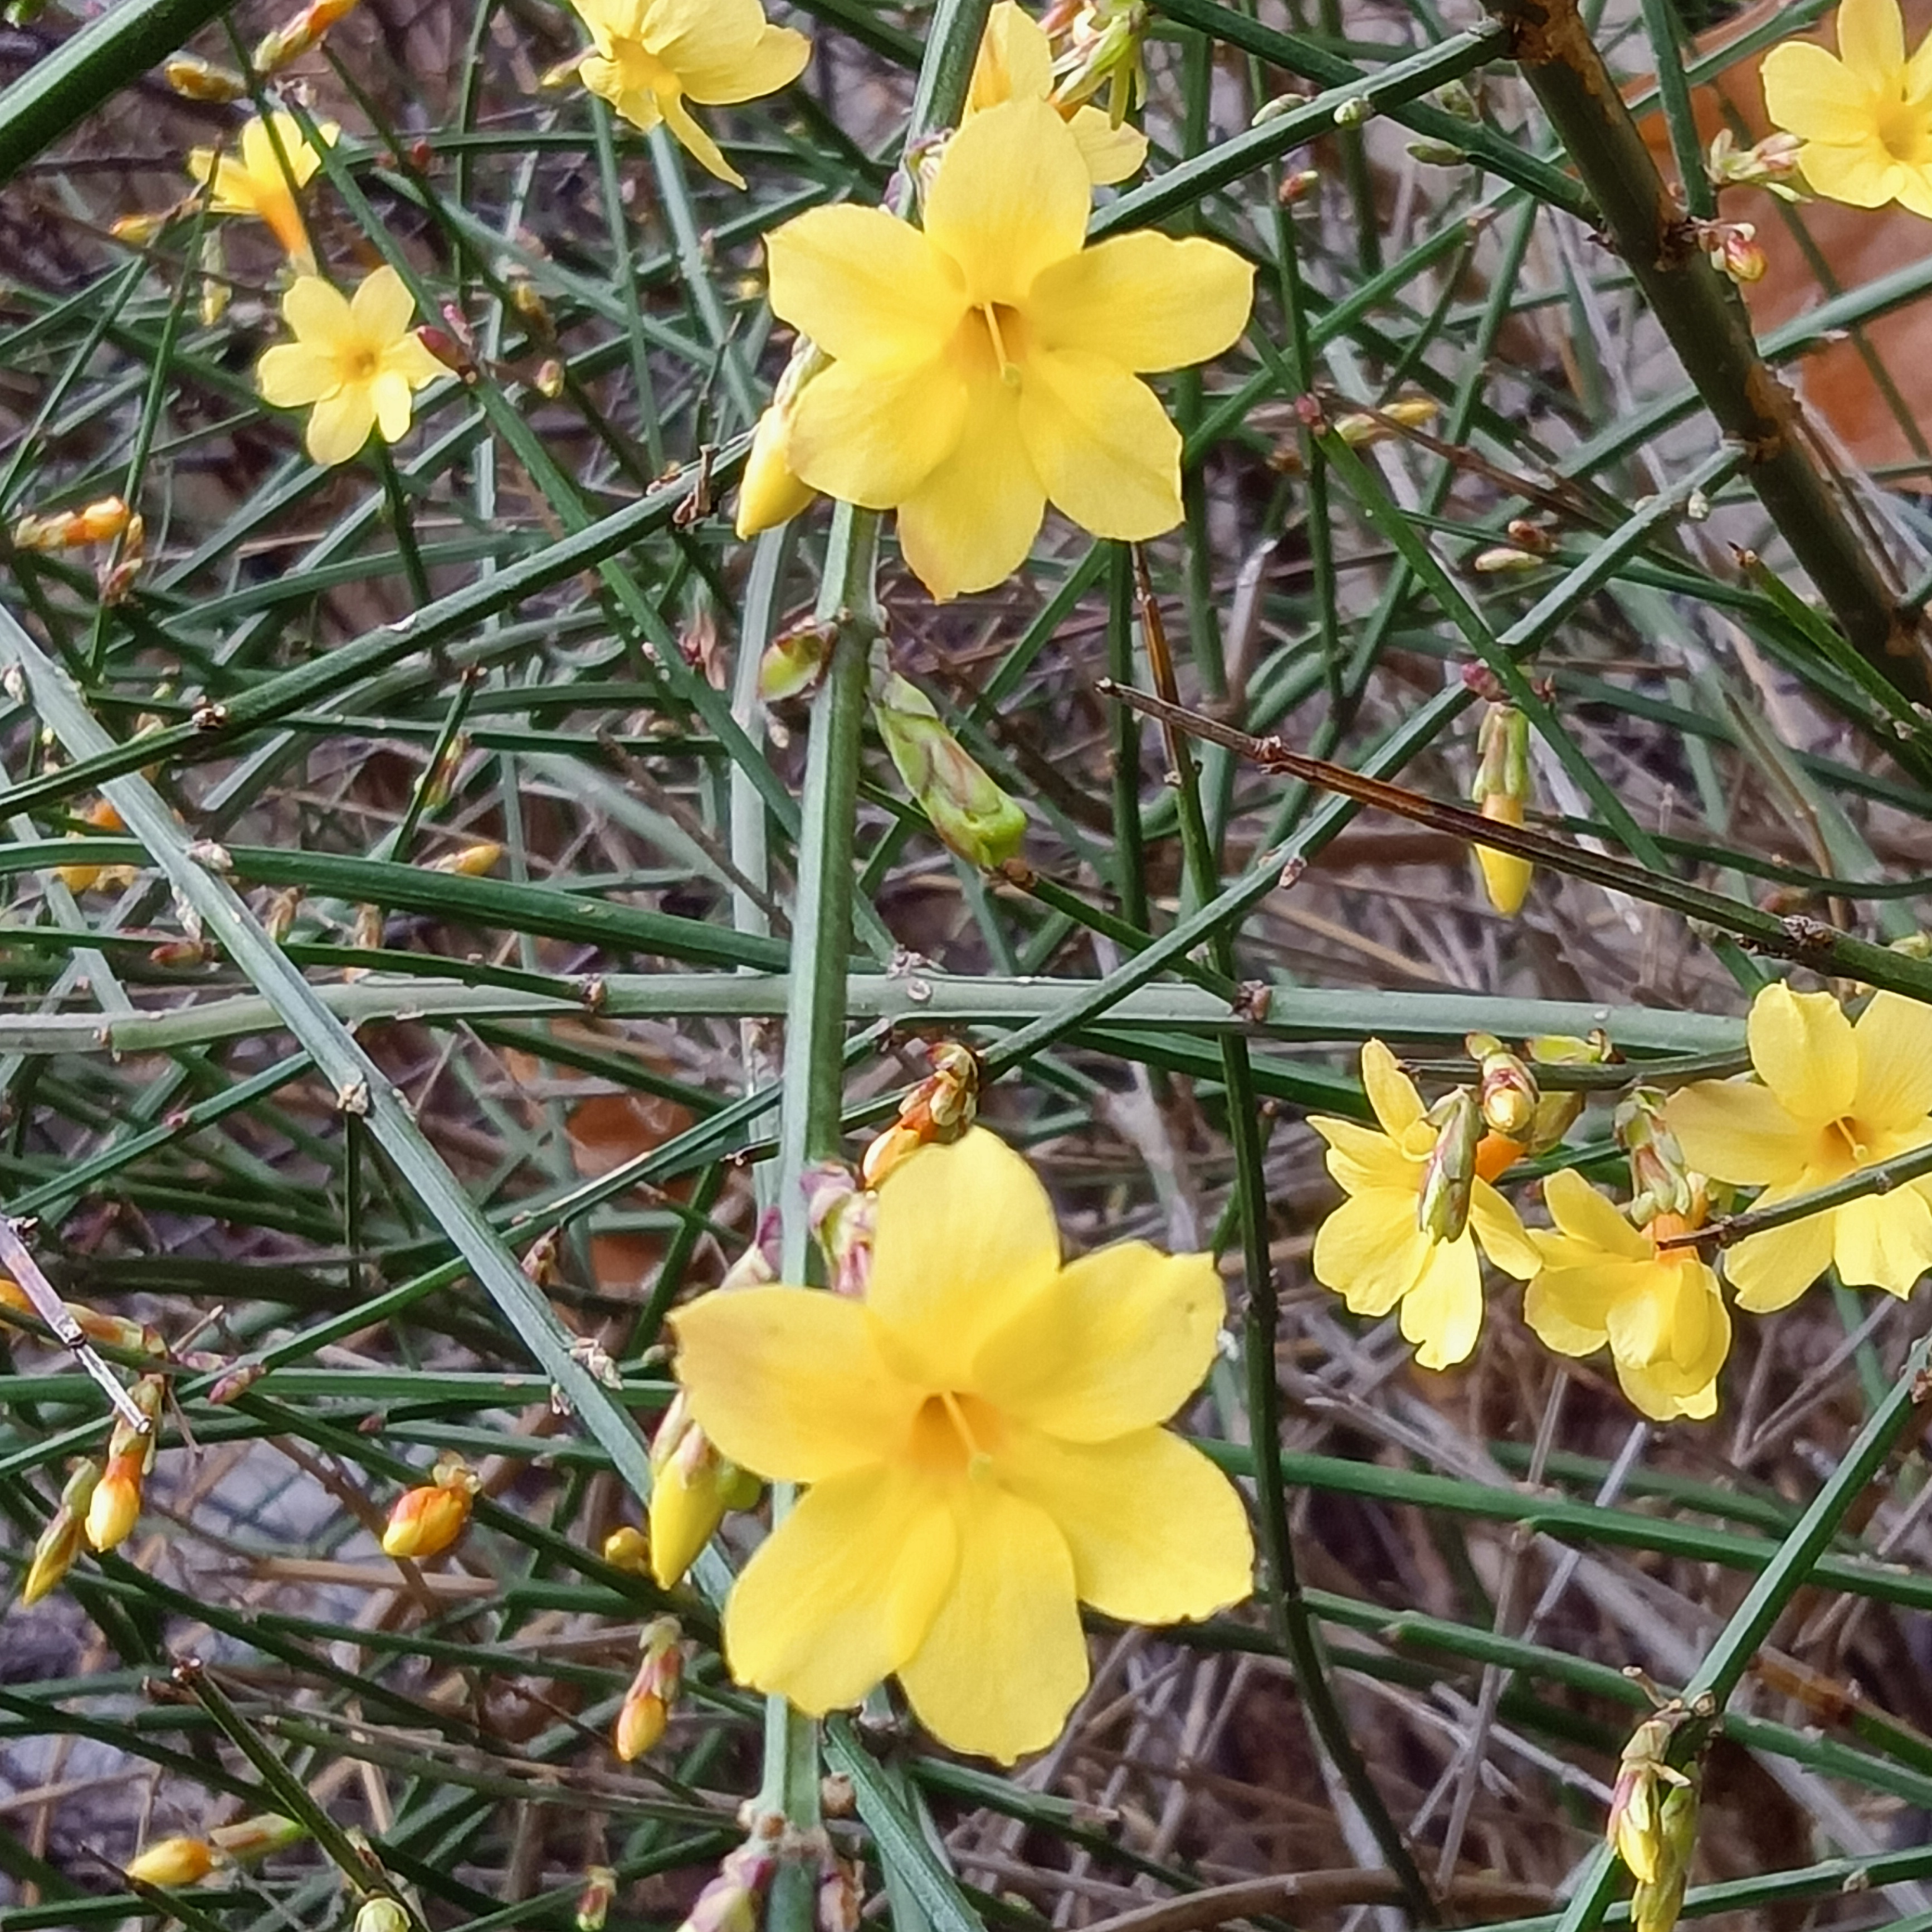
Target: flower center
pixel 640 70
pixel 1905 130
pixel 1847 1138
pixel 995 339
pixel 955 1435
pixel 359 362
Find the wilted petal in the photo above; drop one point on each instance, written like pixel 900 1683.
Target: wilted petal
pixel 843 1590
pixel 1011 196
pixel 1102 445
pixel 1116 1341
pixel 865 287
pixel 1156 1532
pixel 788 1382
pixel 1005 1659
pixel 1144 301
pixel 966 1241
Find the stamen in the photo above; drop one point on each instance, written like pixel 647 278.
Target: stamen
pixel 977 1456
pixel 1009 370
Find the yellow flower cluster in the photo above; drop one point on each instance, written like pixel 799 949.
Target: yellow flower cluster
pixel 1826 1098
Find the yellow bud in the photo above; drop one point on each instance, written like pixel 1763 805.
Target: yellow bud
pixel 629 1549
pixel 472 862
pixel 1501 789
pixel 116 1505
pixel 99 522
pixel 1442 1208
pixel 173 1861
pixel 138 230
pixel 251 1838
pixel 770 494
pixel 425 1521
pixel 59 1544
pixel 594 1901
pixel 195 79
pixel 687 1496
pixel 381 1914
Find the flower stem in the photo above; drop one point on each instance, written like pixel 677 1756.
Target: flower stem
pixel 822 941
pixel 1708 327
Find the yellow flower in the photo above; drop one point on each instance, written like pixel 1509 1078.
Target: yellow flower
pixel 262 182
pixel 172 1861
pixel 990 362
pixel 982 1436
pixel 1865 117
pixel 1373 1251
pixel 651 54
pixel 357 360
pixel 1015 63
pixel 1659 1310
pixel 1834 1098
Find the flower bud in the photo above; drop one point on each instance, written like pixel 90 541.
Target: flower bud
pixel 770 493
pixel 248 1839
pixel 115 1505
pixel 1740 254
pixel 173 1861
pixel 594 1901
pixel 941 1107
pixel 973 817
pixel 793 662
pixel 730 1903
pixel 1557 1111
pixel 59 1544
pixel 841 1900
pixel 381 1913
pixel 758 1264
pixel 1449 1175
pixel 472 861
pixel 688 1500
pixel 628 1548
pixel 138 230
pixel 425 1521
pixel 1661 1182
pixel 99 522
pixel 1500 790
pixel 1504 560
pixel 1657 1902
pixel 843 1216
pixel 195 79
pixel 1508 1090
pixel 646 1709
pixel 549 380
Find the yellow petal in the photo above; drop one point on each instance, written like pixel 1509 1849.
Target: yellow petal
pixel 1569 1308
pixel 1499 1232
pixel 340 425
pixel 1734 1131
pixel 199 164
pixel 1101 445
pixel 843 1590
pixel 966 1239
pixel 389 394
pixel 1370 1251
pixel 1111 153
pixel 1506 878
pixel 383 308
pixel 696 142
pixel 865 286
pixel 1883 1241
pixel 1585 1215
pixel 1116 1341
pixel 778 60
pixel 1015 62
pixel 407 357
pixel 1871 41
pixel 1156 1532
pixel 970 524
pixel 1391 1093
pixel 1769 1271
pixel 293 373
pixel 1809 93
pixel 1361 1157
pixel 1863 176
pixel 1651 1394
pixel 605 78
pixel 1641 1305
pixel 1893 1036
pixel 787 1382
pixel 1913 188
pixel 770 492
pixel 1005 1659
pixel 1010 197
pixel 1802 1048
pixel 315 312
pixel 1144 301
pixel 872 438
pixel 1442 1315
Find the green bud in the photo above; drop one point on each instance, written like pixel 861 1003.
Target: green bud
pixel 1509 1094
pixel 1442 1208
pixel 793 662
pixel 971 814
pixel 1660 1181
